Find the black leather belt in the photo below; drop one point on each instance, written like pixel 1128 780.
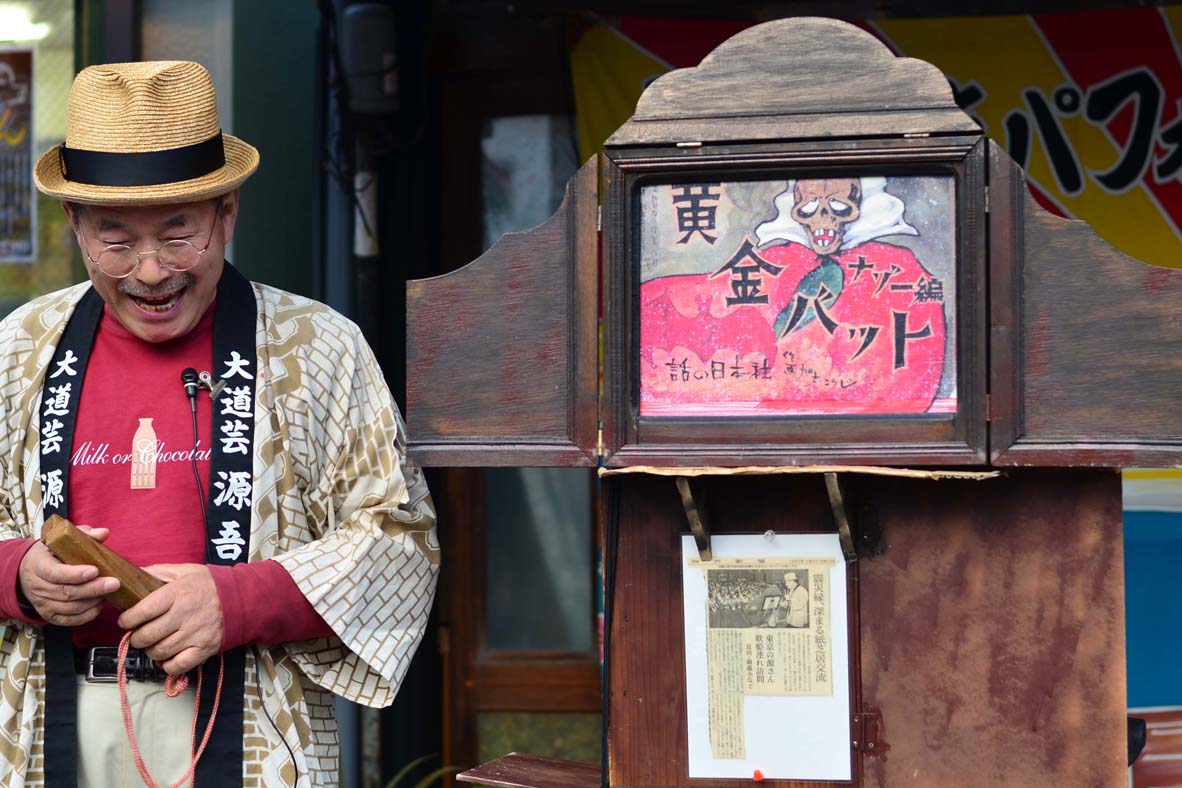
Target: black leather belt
pixel 100 664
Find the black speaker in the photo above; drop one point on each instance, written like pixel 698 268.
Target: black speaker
pixel 369 55
pixel 1137 734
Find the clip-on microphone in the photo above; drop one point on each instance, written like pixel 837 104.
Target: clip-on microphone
pixel 189 379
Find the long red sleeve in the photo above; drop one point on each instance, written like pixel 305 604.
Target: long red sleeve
pixel 12 552
pixel 262 604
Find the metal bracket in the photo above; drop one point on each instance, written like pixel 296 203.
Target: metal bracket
pixel 205 381
pixel 869 732
pixel 695 513
pixel 837 498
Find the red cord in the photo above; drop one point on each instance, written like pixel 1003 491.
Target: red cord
pixel 173 686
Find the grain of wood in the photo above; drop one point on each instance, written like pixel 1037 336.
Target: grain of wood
pixel 72 546
pixel 792 79
pixel 1085 369
pixel 531 771
pixel 501 354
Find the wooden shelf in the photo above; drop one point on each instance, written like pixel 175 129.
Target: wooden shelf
pixel 532 771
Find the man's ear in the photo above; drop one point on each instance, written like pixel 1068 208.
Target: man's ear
pixel 229 214
pixel 73 213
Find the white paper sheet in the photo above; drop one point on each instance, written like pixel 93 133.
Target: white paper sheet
pixel 803 738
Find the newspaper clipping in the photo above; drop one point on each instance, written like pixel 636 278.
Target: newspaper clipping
pixel 768 633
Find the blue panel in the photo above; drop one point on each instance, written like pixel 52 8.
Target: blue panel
pixel 1153 607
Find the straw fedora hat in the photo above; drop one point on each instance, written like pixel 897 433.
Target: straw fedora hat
pixel 144 134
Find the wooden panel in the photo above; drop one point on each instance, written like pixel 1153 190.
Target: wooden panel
pixel 760 9
pixel 501 354
pixel 993 632
pixel 647 714
pixel 532 771
pixel 791 79
pixel 522 684
pixel 1085 362
pixel 459 495
pixel 992 629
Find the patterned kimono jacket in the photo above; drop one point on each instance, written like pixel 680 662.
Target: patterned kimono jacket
pixel 335 502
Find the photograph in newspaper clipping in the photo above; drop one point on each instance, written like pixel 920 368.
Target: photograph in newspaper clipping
pixel 768 633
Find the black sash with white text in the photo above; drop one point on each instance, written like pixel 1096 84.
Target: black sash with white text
pixel 227 523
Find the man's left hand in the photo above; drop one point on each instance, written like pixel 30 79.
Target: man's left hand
pixel 179 625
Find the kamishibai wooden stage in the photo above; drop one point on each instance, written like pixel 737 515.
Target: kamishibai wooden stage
pixel 816 268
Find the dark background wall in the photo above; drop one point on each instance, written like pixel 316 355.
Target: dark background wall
pixel 276 102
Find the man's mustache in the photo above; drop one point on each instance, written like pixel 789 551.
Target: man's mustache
pixel 173 284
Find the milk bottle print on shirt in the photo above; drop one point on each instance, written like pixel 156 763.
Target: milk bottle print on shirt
pixel 143 457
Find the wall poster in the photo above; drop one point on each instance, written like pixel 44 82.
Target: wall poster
pixel 767 657
pixel 18 199
pixel 807 297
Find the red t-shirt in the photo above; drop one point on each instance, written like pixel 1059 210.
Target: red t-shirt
pixel 132 471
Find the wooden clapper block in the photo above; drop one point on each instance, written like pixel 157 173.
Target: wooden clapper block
pixel 72 546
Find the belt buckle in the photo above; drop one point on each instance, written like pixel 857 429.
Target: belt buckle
pixel 107 652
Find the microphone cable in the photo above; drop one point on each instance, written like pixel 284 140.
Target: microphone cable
pixel 189 379
pixel 258 687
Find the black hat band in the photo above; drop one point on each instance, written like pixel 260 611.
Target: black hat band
pixel 150 168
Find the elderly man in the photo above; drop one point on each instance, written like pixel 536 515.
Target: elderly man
pixel 796 600
pixel 273 493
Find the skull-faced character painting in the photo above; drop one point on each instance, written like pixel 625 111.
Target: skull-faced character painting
pixel 815 314
pixel 824 208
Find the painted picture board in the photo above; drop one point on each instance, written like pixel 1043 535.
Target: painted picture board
pixel 806 297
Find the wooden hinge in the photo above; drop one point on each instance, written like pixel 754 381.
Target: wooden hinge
pixel 599 218
pixel 869 732
pixel 599 444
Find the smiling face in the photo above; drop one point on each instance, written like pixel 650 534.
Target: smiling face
pixel 155 303
pixel 825 207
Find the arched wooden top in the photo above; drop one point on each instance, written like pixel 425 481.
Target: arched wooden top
pixel 799 78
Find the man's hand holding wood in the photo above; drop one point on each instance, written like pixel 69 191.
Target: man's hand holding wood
pixel 64 594
pixel 180 624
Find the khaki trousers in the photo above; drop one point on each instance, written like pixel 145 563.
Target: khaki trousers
pixel 163 729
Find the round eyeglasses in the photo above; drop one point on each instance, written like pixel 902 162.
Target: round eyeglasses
pixel 120 261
